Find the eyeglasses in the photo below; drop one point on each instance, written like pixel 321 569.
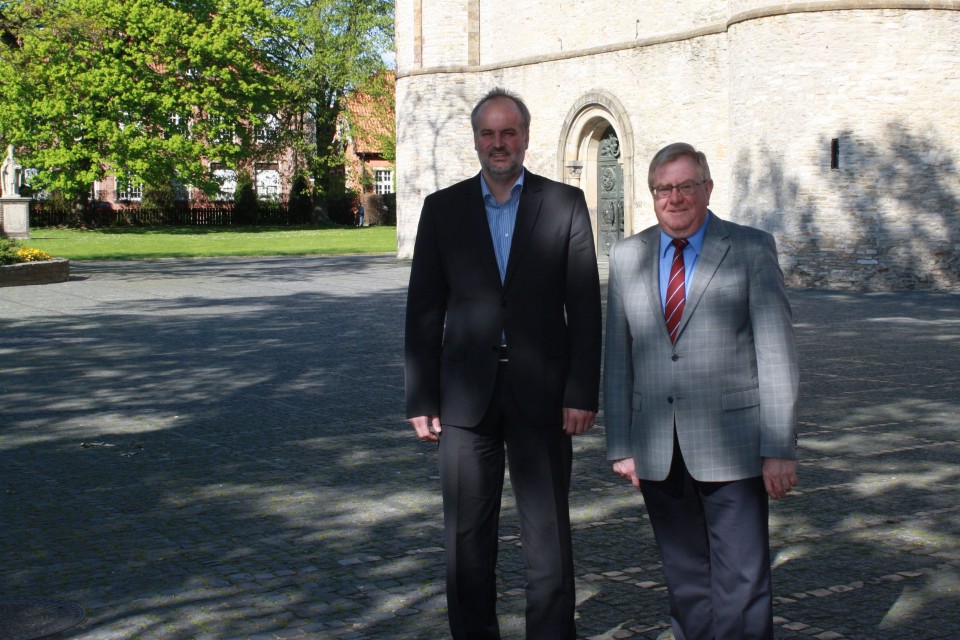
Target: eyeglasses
pixel 686 189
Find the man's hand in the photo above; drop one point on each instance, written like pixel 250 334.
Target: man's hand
pixel 576 421
pixel 427 427
pixel 779 476
pixel 627 469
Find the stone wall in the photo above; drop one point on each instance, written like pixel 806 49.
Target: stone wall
pixel 24 273
pixel 844 146
pixel 833 125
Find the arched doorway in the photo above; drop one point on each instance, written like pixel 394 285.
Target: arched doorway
pixel 595 154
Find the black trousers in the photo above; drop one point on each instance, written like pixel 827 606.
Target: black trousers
pixel 472 463
pixel 713 539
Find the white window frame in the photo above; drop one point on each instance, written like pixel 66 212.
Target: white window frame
pixel 128 191
pixel 267 181
pixel 227 178
pixel 268 131
pixel 383 181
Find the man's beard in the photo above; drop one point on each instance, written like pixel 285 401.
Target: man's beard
pixel 500 169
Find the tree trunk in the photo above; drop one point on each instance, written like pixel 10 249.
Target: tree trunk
pixel 81 210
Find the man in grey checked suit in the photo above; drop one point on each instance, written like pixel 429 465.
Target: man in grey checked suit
pixel 702 421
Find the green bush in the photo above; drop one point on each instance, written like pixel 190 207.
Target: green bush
pixel 245 206
pixel 300 202
pixel 340 209
pixel 12 252
pixel 381 209
pixel 59 207
pixel 158 201
pixel 8 251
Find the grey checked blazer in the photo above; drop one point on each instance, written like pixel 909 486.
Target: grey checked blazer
pixel 730 383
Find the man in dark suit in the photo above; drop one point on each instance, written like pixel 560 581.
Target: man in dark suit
pixel 503 333
pixel 700 394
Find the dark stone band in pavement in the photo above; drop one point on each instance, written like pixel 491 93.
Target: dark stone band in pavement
pixel 215 449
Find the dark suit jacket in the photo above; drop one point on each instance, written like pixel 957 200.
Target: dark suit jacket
pixel 549 306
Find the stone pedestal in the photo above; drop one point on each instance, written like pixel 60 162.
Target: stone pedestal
pixel 15 216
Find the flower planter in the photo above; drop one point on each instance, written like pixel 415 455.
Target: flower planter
pixel 45 272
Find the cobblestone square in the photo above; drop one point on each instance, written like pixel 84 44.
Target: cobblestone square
pixel 215 449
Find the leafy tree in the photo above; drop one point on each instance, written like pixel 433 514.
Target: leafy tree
pixel 143 89
pixel 333 46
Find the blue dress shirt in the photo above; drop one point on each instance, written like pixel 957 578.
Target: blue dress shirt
pixel 502 217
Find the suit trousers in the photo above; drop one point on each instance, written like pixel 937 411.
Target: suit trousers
pixel 472 460
pixel 713 539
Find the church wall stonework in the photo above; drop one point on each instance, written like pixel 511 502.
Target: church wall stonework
pixel 531 29
pixel 877 208
pixel 835 130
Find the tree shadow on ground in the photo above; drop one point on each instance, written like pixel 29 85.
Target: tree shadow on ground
pixel 248 471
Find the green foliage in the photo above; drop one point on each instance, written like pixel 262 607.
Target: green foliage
pixel 340 208
pixel 8 251
pixel 380 89
pixel 148 89
pixel 245 206
pixel 139 88
pixel 381 209
pixel 301 200
pixel 158 198
pixel 12 252
pixel 333 47
pixel 137 243
pixel 59 204
pixel 388 146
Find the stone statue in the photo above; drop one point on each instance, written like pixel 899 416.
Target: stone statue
pixel 11 174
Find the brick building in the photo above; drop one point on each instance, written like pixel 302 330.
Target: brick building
pixel 370 170
pixel 366 124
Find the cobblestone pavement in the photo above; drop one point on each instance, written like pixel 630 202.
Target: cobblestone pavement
pixel 215 448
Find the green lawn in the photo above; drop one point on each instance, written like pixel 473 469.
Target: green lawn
pixel 132 243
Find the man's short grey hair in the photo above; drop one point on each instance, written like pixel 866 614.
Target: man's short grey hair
pixel 678 150
pixel 500 92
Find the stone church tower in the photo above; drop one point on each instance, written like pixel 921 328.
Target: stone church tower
pixel 835 124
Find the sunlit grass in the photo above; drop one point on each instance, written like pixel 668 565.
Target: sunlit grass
pixel 134 243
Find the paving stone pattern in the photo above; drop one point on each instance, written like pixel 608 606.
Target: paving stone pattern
pixel 215 449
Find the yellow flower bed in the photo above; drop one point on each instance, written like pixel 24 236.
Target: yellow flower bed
pixel 26 254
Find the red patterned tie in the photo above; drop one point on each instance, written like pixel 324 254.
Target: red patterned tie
pixel 673 310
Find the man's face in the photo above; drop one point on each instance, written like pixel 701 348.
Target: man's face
pixel 680 215
pixel 500 140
